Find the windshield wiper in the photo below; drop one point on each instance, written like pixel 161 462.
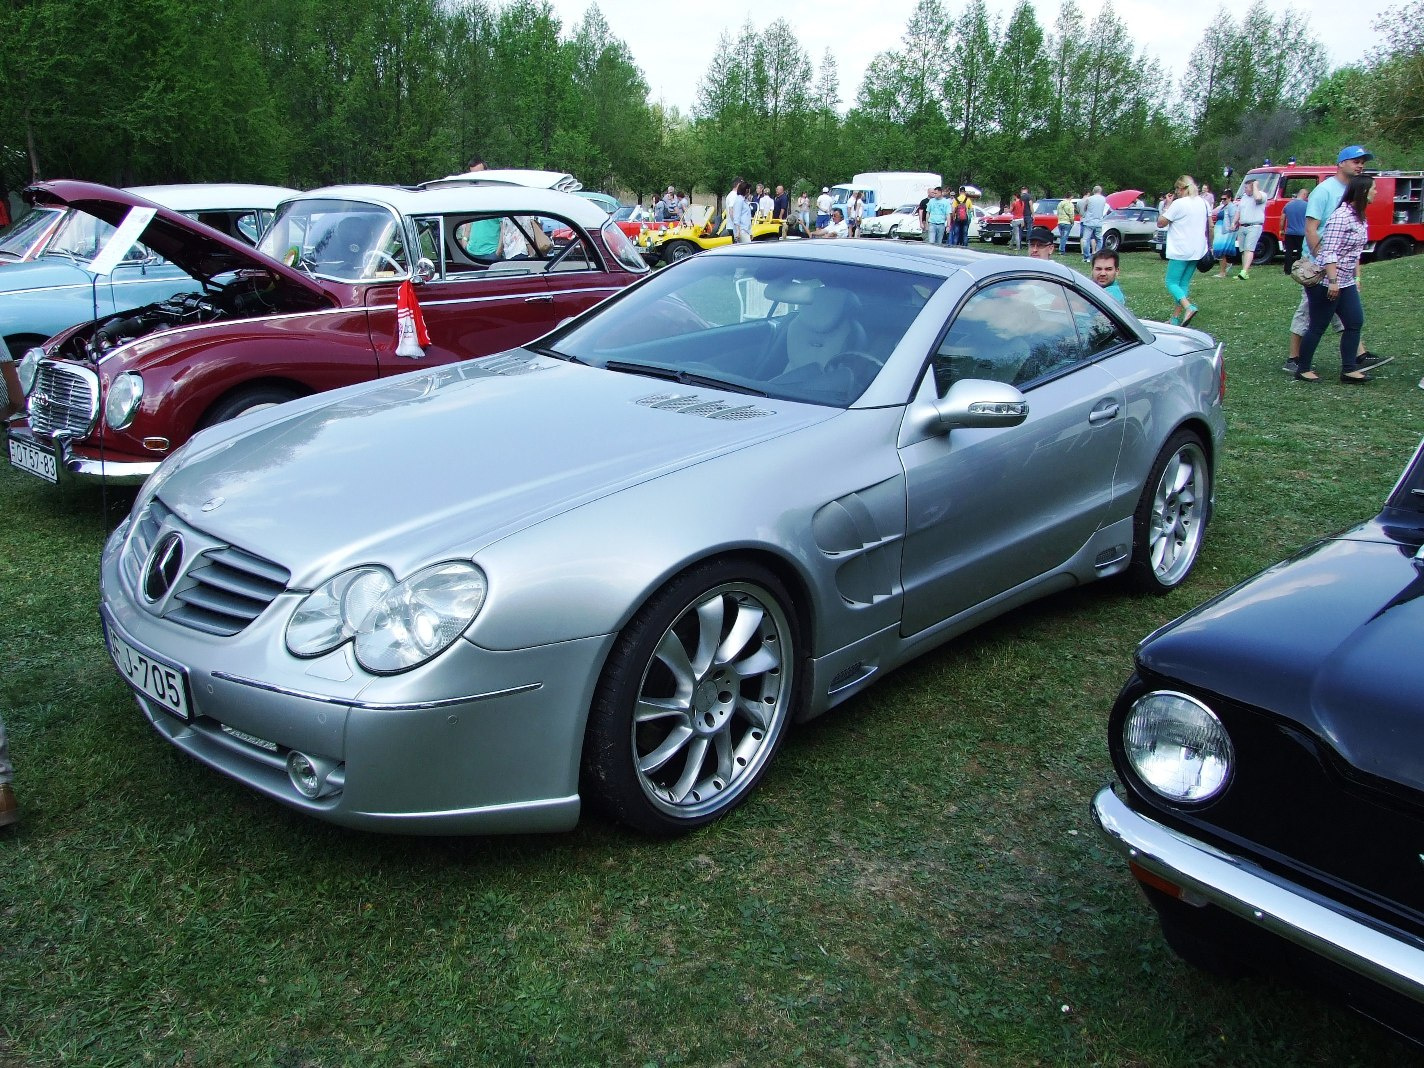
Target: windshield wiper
pixel 544 350
pixel 685 378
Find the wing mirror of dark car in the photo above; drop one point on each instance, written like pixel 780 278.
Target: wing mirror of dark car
pixel 976 402
pixel 424 270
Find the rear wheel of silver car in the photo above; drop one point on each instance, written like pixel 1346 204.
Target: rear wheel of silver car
pixel 694 700
pixel 243 401
pixel 1170 521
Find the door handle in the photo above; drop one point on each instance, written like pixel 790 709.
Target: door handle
pixel 543 299
pixel 1104 412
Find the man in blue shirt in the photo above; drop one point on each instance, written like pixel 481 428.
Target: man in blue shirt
pixel 1293 216
pixel 936 216
pixel 1105 268
pixel 1321 204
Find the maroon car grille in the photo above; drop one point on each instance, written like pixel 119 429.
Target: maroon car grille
pixel 64 400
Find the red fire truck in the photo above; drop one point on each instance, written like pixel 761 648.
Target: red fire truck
pixel 1395 219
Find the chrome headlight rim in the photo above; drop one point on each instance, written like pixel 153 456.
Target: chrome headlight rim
pixel 29 369
pixel 1139 760
pixel 121 403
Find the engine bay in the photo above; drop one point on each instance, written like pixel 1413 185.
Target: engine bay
pixel 244 298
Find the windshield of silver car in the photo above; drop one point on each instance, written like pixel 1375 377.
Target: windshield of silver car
pixel 346 240
pixel 795 329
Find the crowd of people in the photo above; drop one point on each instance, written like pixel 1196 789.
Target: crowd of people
pixel 1324 227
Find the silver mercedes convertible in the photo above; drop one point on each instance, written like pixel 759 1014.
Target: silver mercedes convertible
pixel 618 564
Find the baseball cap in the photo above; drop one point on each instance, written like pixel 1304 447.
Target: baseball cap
pixel 1353 152
pixel 1041 235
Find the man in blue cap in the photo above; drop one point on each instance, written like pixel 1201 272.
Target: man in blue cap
pixel 1324 199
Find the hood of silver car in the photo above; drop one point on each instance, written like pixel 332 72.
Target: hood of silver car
pixel 437 464
pixel 1328 639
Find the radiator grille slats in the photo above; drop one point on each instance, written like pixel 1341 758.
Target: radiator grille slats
pixel 64 400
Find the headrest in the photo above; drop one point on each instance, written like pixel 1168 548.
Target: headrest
pixel 828 310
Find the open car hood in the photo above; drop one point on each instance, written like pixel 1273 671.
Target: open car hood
pixel 198 250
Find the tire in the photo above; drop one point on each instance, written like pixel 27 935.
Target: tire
pixel 1392 248
pixel 694 700
pixel 894 234
pixel 1170 521
pixel 249 399
pixel 1112 241
pixel 1267 248
pixel 678 250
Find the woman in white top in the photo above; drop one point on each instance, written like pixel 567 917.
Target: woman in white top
pixel 1185 216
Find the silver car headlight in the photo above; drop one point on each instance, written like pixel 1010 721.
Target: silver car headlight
pixel 1177 746
pixel 394 626
pixel 121 405
pixel 29 370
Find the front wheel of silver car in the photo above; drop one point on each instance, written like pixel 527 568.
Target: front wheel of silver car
pixel 694 700
pixel 1171 516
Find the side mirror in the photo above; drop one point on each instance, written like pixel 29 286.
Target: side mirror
pixel 976 402
pixel 424 271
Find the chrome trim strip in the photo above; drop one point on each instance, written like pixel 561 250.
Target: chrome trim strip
pixel 353 310
pixel 478 810
pixel 1392 958
pixel 375 706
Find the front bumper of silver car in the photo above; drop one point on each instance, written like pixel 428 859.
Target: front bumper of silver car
pixel 476 741
pixel 1339 935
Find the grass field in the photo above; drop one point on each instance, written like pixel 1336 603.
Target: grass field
pixel 916 883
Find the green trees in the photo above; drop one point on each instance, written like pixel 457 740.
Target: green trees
pixel 307 93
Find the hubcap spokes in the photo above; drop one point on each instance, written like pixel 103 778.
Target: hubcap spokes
pixel 1175 535
pixel 710 698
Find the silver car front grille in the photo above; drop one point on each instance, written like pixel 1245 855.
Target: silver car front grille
pixel 64 400
pixel 220 590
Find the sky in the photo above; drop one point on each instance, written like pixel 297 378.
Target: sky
pixel 673 45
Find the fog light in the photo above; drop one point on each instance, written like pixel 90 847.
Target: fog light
pixel 310 775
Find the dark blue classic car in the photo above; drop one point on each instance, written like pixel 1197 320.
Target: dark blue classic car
pixel 1270 747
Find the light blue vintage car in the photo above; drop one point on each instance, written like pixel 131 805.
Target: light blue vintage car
pixel 61 287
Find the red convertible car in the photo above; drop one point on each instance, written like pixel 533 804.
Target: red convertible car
pixel 314 307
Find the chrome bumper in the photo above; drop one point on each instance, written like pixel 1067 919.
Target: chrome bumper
pixel 1340 935
pixel 83 468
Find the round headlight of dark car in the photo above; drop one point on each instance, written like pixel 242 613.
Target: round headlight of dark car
pixel 121 405
pixel 1177 747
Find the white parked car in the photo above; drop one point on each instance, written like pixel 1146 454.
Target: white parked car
pixel 904 221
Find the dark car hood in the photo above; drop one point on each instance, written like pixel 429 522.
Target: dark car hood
pixel 1330 639
pixel 198 250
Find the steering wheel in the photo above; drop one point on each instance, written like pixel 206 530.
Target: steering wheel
pixel 861 366
pixel 376 256
pixel 296 257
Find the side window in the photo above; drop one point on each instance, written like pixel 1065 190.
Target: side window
pixel 1017 332
pixel 569 249
pixel 497 244
pixel 1097 331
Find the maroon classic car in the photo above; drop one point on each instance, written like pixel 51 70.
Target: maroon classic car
pixel 313 308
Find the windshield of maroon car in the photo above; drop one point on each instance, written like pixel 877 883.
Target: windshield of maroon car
pixel 795 329
pixel 346 240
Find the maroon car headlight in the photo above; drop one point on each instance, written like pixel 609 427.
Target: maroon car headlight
pixel 394 626
pixel 125 395
pixel 1177 747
